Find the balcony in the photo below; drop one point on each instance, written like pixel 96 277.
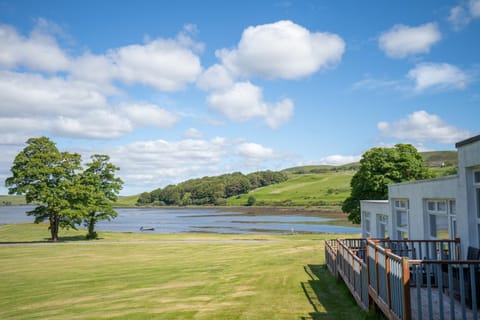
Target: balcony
pixel 408 279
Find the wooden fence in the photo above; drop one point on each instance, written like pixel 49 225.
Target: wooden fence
pixel 389 274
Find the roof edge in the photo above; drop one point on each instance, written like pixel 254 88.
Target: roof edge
pixel 467 141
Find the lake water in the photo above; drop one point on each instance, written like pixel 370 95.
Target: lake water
pixel 197 220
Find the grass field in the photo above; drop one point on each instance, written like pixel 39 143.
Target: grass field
pixel 176 276
pixel 319 189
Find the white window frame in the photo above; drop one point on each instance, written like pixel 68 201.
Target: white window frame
pixel 367 223
pixel 401 206
pixel 476 189
pixel 438 208
pixel 382 220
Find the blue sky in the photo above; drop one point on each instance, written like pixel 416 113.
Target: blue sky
pixel 173 90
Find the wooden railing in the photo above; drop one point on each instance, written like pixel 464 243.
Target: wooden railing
pixel 389 274
pixel 352 268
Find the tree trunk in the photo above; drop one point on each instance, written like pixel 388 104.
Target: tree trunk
pixel 54 221
pixel 91 226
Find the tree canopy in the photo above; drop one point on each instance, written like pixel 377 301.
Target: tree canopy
pixel 210 190
pixel 54 180
pixel 380 167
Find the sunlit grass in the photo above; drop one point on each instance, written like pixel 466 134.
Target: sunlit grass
pixel 169 276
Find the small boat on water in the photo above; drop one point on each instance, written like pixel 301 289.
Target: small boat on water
pixel 142 228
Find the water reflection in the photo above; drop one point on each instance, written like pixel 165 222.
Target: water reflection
pixel 199 220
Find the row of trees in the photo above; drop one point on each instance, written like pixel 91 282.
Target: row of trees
pixel 210 190
pixel 380 167
pixel 67 194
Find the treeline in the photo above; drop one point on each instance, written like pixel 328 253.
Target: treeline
pixel 210 190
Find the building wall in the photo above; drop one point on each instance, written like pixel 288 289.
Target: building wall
pixel 468 164
pixel 416 193
pixel 374 208
pixel 461 193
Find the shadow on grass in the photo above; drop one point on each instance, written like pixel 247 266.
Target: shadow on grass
pixel 330 297
pixel 63 239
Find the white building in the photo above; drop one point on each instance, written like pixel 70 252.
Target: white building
pixel 445 207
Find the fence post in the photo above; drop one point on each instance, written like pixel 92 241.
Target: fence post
pixel 407 309
pixel 387 273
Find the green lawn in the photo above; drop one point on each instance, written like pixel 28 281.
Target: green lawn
pixel 316 189
pixel 178 276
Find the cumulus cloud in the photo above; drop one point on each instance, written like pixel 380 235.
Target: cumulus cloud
pixel 337 160
pixel 27 94
pixel 420 126
pixel 147 165
pixel 38 51
pixel 192 133
pixel 163 64
pixel 216 77
pixel 402 41
pixel 144 114
pixel 438 75
pixel 244 101
pixel 254 151
pixel 282 50
pixel 461 15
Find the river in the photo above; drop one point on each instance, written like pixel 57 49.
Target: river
pixel 199 220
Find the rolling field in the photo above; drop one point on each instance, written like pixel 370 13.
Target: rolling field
pixel 179 276
pixel 316 189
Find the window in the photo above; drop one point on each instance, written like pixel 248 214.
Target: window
pixel 366 224
pixel 476 183
pixel 438 219
pixel 401 218
pixel 382 223
pixel 440 225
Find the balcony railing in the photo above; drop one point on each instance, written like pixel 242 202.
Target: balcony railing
pixel 390 275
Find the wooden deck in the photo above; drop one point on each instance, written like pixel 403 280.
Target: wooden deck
pixel 388 275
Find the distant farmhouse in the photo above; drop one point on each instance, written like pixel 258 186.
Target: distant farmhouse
pixel 447 207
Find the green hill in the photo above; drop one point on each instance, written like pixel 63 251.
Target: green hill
pixel 314 185
pixel 327 189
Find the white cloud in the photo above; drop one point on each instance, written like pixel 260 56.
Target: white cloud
pixel 27 94
pixel 98 124
pixel 144 114
pixel 166 65
pixel 420 126
pixel 438 75
pixel 16 130
pixel 461 15
pixel 337 160
pixel 39 51
pixel 193 133
pixel 254 151
pixel 244 101
pixel 282 50
pixel 402 41
pixel 216 77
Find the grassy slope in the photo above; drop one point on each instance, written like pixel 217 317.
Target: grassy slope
pixel 303 190
pixel 169 277
pixel 318 185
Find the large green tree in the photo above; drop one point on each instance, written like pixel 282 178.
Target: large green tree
pixel 380 167
pixel 100 188
pixel 47 177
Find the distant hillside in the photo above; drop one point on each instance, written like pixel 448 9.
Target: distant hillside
pixel 440 158
pixel 314 185
pixel 327 190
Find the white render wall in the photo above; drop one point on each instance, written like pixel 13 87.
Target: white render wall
pixel 460 188
pixel 374 207
pixel 468 162
pixel 416 193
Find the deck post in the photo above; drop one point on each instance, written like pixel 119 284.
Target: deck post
pixel 387 274
pixel 407 309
